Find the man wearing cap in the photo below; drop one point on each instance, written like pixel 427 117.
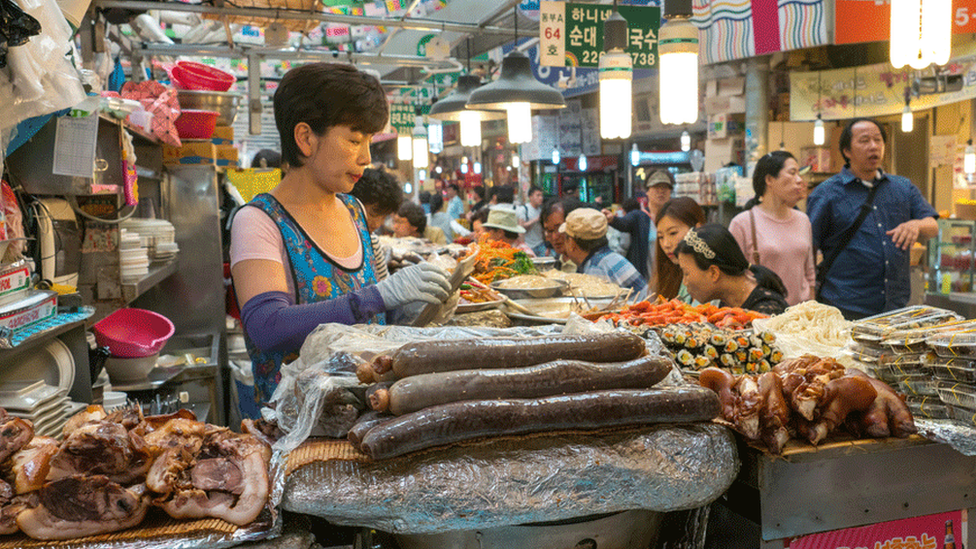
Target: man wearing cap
pixel 587 246
pixel 553 215
pixel 503 225
pixel 659 186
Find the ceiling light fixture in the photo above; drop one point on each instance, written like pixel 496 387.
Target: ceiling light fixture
pixel 685 141
pixel 921 33
pixel 907 118
pixel 616 79
pixel 819 136
pixel 517 92
pixel 421 156
pixel 452 108
pixel 677 48
pixel 634 155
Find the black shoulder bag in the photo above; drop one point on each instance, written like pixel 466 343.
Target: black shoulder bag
pixel 845 239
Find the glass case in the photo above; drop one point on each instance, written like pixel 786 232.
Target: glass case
pixel 951 257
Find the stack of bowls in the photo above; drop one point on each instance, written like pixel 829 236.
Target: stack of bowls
pixel 134 258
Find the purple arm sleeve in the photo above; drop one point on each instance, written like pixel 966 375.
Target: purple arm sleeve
pixel 275 323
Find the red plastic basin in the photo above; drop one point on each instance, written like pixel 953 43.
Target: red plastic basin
pixel 133 333
pixel 197 76
pixel 194 124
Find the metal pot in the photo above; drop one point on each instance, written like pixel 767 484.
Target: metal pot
pixel 625 530
pixel 224 103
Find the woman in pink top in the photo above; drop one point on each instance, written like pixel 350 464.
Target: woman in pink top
pixel 772 233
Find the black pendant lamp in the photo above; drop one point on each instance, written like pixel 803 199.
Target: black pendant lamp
pixel 451 107
pixel 516 85
pixel 517 92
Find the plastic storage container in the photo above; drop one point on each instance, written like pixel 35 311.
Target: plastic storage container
pixel 914 340
pixel 957 370
pixel 132 333
pixel 875 329
pixel 958 394
pixel 927 407
pixel 906 364
pixel 921 385
pixel 954 344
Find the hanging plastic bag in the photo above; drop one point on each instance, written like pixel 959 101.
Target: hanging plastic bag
pixel 162 103
pixel 16 28
pixel 38 78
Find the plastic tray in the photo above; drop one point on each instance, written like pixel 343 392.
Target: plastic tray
pixel 914 340
pixel 875 329
pixel 905 364
pixel 958 394
pixel 954 344
pixel 868 353
pixel 918 385
pixel 880 372
pixel 958 413
pixel 956 370
pixel 927 407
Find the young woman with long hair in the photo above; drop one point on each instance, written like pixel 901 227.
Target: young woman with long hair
pixel 675 218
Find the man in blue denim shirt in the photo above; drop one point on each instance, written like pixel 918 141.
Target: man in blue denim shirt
pixel 871 274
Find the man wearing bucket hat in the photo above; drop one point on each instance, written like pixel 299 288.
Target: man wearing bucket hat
pixel 587 246
pixel 503 225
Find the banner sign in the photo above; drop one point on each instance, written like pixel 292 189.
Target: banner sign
pixel 738 29
pixel 402 117
pixel 571 34
pixel 850 17
pixel 872 90
pixel 942 530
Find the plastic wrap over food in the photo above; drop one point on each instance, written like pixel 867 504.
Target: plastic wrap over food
pixel 503 482
pixel 960 436
pixel 319 394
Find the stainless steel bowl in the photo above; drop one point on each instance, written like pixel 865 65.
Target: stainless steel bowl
pixel 555 288
pixel 224 103
pixel 544 263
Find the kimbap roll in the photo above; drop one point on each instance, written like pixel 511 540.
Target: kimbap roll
pixel 710 352
pixel 685 358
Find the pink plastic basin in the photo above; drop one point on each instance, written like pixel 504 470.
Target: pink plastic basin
pixel 197 76
pixel 133 333
pixel 194 124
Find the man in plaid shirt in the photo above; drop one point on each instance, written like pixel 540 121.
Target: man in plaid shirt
pixel 587 247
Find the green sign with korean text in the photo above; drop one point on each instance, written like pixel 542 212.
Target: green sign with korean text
pixel 571 34
pixel 402 117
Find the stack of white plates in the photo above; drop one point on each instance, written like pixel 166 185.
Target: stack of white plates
pixel 113 399
pixel 44 405
pixel 134 257
pixel 156 232
pixel 165 250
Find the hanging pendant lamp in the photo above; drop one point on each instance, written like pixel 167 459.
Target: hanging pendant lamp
pixel 517 92
pixel 452 108
pixel 616 79
pixel 678 64
pixel 921 33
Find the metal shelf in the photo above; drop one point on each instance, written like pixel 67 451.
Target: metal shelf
pixel 157 273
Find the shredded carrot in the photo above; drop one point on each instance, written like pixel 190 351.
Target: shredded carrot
pixel 494 261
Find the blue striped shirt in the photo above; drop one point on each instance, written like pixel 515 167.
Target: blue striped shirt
pixel 614 267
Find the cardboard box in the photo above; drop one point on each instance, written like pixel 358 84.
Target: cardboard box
pixel 718 126
pixel 727 104
pixel 193 152
pixel 223 135
pixel 227 156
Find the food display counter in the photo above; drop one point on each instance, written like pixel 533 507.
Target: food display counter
pixel 844 484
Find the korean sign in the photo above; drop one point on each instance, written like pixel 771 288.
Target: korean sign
pixel 939 531
pixel 872 90
pixel 571 34
pixel 402 117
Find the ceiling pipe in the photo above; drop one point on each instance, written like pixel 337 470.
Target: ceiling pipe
pixel 355 20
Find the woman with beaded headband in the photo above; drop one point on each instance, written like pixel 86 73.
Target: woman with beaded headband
pixel 715 268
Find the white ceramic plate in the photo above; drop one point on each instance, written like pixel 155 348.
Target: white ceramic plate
pixel 52 364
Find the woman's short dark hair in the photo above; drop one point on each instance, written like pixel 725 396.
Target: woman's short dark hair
pixel 424 197
pixel 728 257
pixel 848 134
pixel 505 194
pixel 380 189
pixel 436 202
pixel 272 159
pixel 414 215
pixel 324 95
pixel 770 164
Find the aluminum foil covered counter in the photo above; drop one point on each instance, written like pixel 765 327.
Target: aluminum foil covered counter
pixel 510 481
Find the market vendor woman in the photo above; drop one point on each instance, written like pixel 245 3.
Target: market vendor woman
pixel 301 254
pixel 715 268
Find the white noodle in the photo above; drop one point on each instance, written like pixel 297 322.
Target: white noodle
pixel 809 327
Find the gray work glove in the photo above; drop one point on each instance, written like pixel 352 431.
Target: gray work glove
pixel 421 282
